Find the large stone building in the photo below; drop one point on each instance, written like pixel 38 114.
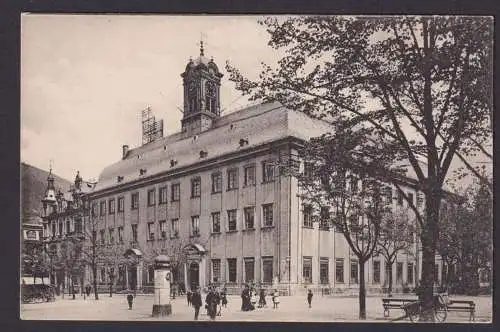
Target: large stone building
pixel 213 198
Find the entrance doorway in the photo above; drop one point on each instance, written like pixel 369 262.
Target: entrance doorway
pixel 132 277
pixel 194 275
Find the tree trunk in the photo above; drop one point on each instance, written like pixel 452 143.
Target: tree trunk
pixel 73 286
pixel 362 290
pixel 389 289
pixel 111 289
pixel 94 281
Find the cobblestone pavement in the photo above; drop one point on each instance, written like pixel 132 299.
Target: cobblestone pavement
pixel 291 309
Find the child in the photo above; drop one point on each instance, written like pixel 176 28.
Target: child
pixel 309 297
pixel 276 299
pixel 188 296
pixel 224 298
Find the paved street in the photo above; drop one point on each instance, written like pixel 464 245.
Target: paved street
pixel 291 309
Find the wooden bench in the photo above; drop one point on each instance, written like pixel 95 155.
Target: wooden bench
pixel 463 306
pixel 393 303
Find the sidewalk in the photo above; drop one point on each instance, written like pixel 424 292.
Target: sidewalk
pixel 291 309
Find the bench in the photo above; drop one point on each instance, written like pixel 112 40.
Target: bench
pixel 463 306
pixel 393 303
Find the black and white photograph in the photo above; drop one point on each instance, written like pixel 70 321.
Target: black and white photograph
pixel 244 168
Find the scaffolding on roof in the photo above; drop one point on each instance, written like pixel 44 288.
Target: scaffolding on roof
pixel 151 128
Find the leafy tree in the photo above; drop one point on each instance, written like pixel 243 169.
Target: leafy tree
pixel 421 85
pixel 396 236
pixel 71 258
pixel 329 183
pixel 92 249
pixel 112 257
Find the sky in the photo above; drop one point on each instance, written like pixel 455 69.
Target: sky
pixel 86 78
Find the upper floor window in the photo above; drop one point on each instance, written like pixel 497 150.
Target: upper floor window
pixel 216 182
pixel 163 230
pixel 267 212
pixel 195 225
pixel 135 201
pixel 103 236
pixel 232 179
pixel 102 208
pixel 196 187
pixel 176 192
pixel 250 175
pixel 111 206
pixel 151 197
pixel 216 222
pixel 267 171
pixel 231 220
pixel 111 235
pixel 151 231
pixel 120 234
pixel 249 217
pixel 307 216
pixel 325 218
pixel 174 228
pixel 162 199
pixel 94 209
pixel 121 204
pixel 134 233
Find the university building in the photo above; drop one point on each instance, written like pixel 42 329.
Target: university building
pixel 213 197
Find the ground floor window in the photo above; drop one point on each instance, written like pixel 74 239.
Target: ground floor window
pixel 307 269
pixel 409 275
pixel 399 272
pixel 354 271
pixel 267 269
pixel 231 269
pixel 215 270
pixel 249 269
pixel 339 270
pixel 323 271
pixel 103 275
pixel 376 272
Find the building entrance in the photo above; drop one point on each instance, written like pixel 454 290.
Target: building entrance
pixel 194 275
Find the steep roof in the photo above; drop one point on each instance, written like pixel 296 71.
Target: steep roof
pixel 258 124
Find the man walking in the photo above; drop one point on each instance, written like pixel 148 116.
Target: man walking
pixel 309 297
pixel 196 302
pixel 212 301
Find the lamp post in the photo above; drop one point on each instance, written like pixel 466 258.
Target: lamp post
pixel 163 276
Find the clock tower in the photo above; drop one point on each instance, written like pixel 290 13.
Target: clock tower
pixel 201 94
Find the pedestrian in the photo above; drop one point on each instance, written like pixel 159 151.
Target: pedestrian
pixel 276 299
pixel 224 297
pixel 262 298
pixel 189 294
pixel 130 300
pixel 196 302
pixel 309 297
pixel 212 300
pixel 246 305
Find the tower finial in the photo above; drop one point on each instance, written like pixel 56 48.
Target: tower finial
pixel 201 48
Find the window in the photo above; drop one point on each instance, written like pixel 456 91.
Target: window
pixel 216 182
pixel 151 273
pixel 250 175
pixel 399 272
pixel 409 276
pixel 112 235
pixel 174 228
pixel 410 199
pixel 195 225
pixel 307 269
pixel 216 222
pixel 339 270
pixel 176 192
pixel 102 208
pixel 135 201
pixel 134 233
pixel 195 187
pixel 267 269
pixel 162 195
pixel 215 270
pixel 60 228
pixel 103 275
pixel 121 204
pixel 163 231
pixel 323 270
pixel 68 226
pixel 376 272
pixel 400 198
pixel 420 199
pixel 249 217
pixel 111 204
pixel 78 226
pixel 231 220
pixel 120 234
pixel 232 179
pixel 267 171
pixel 103 236
pixel 267 212
pixel 231 269
pixel 249 269
pixel 94 209
pixel 324 218
pixel 354 271
pixel 307 216
pixel 151 231
pixel 151 197
pixel 54 232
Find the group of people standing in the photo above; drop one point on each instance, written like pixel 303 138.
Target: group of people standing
pixel 214 301
pixel 249 298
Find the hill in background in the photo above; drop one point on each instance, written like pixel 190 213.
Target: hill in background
pixel 33 186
